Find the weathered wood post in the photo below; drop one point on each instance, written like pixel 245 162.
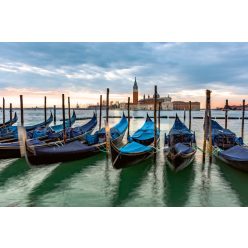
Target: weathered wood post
pixel 159 115
pixel 184 115
pixel 226 109
pixel 100 117
pixel 206 122
pixel 45 109
pixel 22 114
pixel 3 111
pixel 107 105
pixel 190 115
pixel 54 114
pixel 63 112
pixel 210 143
pixel 155 116
pixel 243 120
pixel 69 110
pixel 128 116
pixel 107 129
pixel 10 112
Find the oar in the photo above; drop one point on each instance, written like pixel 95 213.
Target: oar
pixel 22 139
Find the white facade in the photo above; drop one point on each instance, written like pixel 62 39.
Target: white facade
pixel 167 105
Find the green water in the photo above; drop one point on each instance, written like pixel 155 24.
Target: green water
pixel 94 182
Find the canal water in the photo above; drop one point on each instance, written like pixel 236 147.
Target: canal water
pixel 94 182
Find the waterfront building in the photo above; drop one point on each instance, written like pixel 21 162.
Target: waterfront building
pixel 181 105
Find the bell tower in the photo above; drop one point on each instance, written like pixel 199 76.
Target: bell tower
pixel 135 92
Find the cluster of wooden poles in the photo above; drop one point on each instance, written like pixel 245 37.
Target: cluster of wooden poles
pixel 157 107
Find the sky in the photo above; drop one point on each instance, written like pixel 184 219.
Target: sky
pixel 83 71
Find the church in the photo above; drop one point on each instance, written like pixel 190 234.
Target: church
pixel 147 103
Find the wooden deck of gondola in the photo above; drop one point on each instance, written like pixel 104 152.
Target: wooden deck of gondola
pixel 177 163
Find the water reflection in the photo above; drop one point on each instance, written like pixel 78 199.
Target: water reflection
pixel 14 169
pixel 237 180
pixel 130 179
pixel 205 185
pixel 177 186
pixel 63 172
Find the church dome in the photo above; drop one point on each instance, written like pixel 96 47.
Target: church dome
pixel 158 96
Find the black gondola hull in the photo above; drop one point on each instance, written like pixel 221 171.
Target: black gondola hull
pixel 120 160
pixel 239 165
pixel 43 158
pixel 10 153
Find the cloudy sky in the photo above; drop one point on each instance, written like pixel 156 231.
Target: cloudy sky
pixel 83 71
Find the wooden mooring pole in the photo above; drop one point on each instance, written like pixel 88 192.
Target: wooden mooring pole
pixel 210 142
pixel 3 111
pixel 54 114
pixel 45 109
pixel 190 115
pixel 10 112
pixel 107 129
pixel 184 115
pixel 128 117
pixel 206 122
pixel 243 120
pixel 155 116
pixel 107 105
pixel 100 115
pixel 159 115
pixel 63 112
pixel 69 110
pixel 226 113
pixel 22 114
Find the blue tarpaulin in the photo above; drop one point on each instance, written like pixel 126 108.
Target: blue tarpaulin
pixel 146 132
pixel 220 134
pixel 115 132
pixel 235 153
pixel 135 147
pixel 181 148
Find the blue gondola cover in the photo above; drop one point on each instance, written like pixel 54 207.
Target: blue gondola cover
pixel 135 147
pixel 146 132
pixel 235 153
pixel 183 149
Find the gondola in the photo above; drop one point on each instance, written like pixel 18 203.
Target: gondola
pixel 10 122
pixel 11 133
pixel 41 132
pixel 229 148
pixel 12 149
pixel 180 146
pixel 45 132
pixel 137 149
pixel 75 150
